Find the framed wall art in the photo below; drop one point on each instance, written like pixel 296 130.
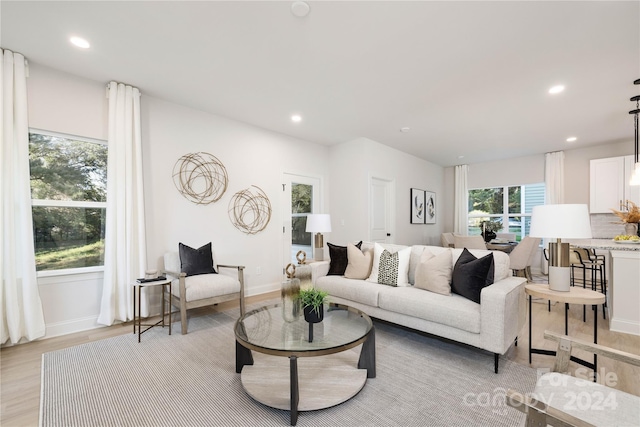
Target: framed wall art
pixel 429 207
pixel 417 206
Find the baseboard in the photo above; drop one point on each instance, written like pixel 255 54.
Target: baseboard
pixel 72 326
pixel 624 326
pixel 262 289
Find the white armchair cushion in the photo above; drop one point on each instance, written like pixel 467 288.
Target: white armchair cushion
pixel 206 286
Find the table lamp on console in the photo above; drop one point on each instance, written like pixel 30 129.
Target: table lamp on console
pixel 318 223
pixel 564 221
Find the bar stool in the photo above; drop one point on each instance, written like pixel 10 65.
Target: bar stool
pixel 585 260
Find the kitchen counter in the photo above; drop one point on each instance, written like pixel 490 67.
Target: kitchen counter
pixel 603 244
pixel 623 292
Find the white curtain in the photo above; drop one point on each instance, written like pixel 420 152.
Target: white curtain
pixel 553 188
pixel 554 178
pixel 461 200
pixel 20 303
pixel 125 242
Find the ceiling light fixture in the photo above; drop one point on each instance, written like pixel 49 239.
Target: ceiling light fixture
pixel 296 118
pixel 300 9
pixel 572 139
pixel 80 42
pixel 405 129
pixel 635 176
pixel 556 89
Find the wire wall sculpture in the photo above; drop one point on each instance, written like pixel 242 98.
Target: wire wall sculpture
pixel 200 177
pixel 250 210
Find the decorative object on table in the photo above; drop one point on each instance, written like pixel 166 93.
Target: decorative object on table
pixel 290 294
pixel 318 223
pixel 200 177
pixel 417 206
pixel 301 257
pixel 564 221
pixel 489 229
pixel 250 210
pixel 630 218
pixel 430 207
pixel 635 176
pixel 312 301
pixel 151 274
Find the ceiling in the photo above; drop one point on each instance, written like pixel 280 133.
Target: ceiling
pixel 468 78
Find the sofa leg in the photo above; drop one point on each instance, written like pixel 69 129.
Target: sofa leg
pixel 516 342
pixel 496 356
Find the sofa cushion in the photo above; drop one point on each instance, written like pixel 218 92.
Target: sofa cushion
pixel 196 261
pixel 451 310
pixel 471 274
pixel 338 259
pixel 206 286
pixel 392 274
pixel 359 263
pixel 352 289
pixel 434 272
pixel 500 261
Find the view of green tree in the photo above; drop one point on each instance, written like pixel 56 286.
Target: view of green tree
pixel 486 200
pixel 301 198
pixel 64 169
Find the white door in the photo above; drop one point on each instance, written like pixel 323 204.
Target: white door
pixel 301 198
pixel 381 211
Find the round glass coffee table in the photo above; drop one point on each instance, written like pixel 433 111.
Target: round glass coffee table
pixel 322 382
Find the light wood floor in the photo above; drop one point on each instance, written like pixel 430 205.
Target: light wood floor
pixel 20 365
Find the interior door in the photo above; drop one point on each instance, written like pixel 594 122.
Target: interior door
pixel 381 211
pixel 301 198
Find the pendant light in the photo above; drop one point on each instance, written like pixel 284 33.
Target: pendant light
pixel 635 176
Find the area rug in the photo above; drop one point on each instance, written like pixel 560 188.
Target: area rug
pixel 190 380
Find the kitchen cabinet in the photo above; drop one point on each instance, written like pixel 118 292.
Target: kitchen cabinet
pixel 609 184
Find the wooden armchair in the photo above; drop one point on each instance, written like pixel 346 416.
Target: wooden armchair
pixel 201 290
pixel 562 400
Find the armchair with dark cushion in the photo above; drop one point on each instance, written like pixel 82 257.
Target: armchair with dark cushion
pixel 198 282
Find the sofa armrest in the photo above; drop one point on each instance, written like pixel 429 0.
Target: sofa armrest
pixel 503 311
pixel 318 269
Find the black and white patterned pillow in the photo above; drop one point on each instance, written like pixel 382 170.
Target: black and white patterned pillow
pixel 388 268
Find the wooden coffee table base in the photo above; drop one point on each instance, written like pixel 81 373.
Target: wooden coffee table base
pixel 323 381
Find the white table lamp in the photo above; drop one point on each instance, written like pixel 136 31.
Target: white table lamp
pixel 560 222
pixel 318 223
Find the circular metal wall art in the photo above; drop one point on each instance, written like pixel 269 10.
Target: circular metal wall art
pixel 200 177
pixel 250 210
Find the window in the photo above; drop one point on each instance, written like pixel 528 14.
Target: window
pixel 69 200
pixel 510 206
pixel 301 203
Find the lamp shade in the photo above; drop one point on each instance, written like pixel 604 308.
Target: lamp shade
pixel 318 223
pixel 564 221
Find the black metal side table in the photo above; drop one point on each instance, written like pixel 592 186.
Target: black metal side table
pixel 137 318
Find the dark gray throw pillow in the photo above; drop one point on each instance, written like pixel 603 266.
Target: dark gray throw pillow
pixel 471 274
pixel 339 260
pixel 196 261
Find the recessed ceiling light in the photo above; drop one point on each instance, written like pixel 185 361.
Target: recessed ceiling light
pixel 300 9
pixel 556 89
pixel 461 157
pixel 572 139
pixel 296 118
pixel 80 42
pixel 405 129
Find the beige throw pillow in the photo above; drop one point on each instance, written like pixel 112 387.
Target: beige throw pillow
pixel 359 263
pixel 433 272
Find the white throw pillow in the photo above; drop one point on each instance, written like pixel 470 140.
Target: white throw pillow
pixel 395 266
pixel 433 272
pixel 358 263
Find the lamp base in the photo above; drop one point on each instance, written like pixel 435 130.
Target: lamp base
pixel 318 254
pixel 559 278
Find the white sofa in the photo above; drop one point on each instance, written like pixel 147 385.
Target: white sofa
pixel 492 325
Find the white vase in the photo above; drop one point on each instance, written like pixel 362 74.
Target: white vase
pixel 631 229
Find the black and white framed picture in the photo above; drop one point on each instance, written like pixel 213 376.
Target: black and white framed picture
pixel 429 207
pixel 417 206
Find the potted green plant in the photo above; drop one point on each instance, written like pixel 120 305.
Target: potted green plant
pixel 312 301
pixel 489 229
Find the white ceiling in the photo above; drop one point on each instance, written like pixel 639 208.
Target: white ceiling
pixel 468 78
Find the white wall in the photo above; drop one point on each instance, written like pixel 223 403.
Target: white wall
pixel 353 164
pixel 68 104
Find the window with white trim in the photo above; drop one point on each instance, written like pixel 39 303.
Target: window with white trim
pixel 69 200
pixel 510 205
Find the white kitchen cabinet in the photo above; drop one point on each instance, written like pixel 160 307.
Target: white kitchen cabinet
pixel 609 184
